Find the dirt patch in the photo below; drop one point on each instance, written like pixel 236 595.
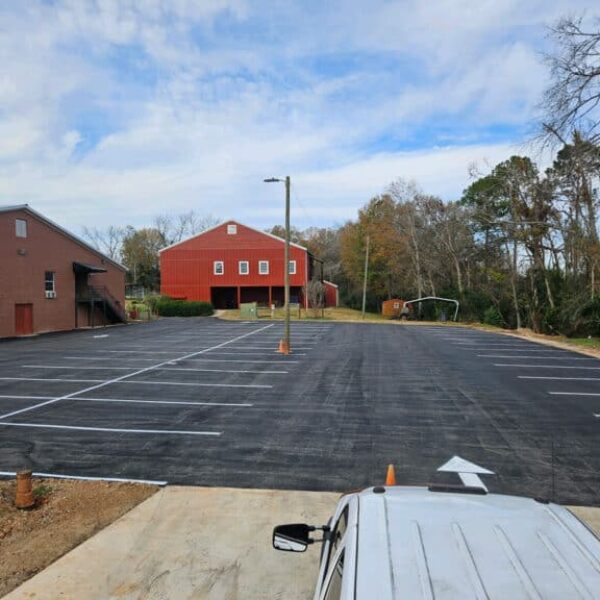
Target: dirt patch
pixel 66 514
pixel 589 515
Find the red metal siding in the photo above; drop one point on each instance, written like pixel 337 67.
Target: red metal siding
pixel 187 268
pixel 23 263
pixel 331 294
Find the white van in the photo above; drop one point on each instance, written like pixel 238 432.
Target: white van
pixel 391 543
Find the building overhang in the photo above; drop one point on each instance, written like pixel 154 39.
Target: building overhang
pixel 84 269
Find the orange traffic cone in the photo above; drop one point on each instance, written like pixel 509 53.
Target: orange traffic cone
pixel 284 347
pixel 390 478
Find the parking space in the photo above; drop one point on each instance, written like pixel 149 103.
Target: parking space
pixel 208 402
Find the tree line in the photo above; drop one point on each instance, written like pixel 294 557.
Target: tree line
pixel 137 249
pixel 518 248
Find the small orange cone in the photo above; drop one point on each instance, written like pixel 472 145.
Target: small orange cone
pixel 283 347
pixel 390 478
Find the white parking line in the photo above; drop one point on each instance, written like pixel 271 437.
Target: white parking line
pixel 269 347
pixel 112 429
pixel 50 379
pixel 133 401
pixel 119 358
pixel 559 378
pixel 222 370
pixel 546 366
pixel 85 478
pixel 248 354
pixel 194 384
pixel 534 357
pixel 574 393
pixel 29 397
pixel 233 360
pixel 149 351
pixel 86 368
pixel 484 346
pixel 165 402
pixel 123 377
pixel 512 350
pixel 137 382
pixel 78 368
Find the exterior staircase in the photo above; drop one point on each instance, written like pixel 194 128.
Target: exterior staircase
pixel 114 311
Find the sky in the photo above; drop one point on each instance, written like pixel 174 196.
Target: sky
pixel 112 112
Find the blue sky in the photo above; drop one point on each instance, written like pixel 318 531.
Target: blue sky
pixel 112 112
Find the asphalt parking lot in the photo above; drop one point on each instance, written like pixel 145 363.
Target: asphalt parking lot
pixel 209 402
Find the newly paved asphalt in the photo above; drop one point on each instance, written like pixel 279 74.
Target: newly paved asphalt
pixel 207 402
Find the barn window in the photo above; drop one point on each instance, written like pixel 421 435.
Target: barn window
pixel 218 267
pixel 50 284
pixel 292 267
pixel 21 228
pixel 231 229
pixel 263 267
pixel 244 267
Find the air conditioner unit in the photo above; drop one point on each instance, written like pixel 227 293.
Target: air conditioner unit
pixel 50 294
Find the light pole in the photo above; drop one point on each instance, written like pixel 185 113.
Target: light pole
pixel 285 345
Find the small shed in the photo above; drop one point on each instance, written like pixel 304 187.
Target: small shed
pixel 332 297
pixel 392 308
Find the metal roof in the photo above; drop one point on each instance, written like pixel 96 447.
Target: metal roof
pixel 230 222
pixel 414 543
pixel 53 225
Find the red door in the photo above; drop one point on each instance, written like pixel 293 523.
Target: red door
pixel 23 319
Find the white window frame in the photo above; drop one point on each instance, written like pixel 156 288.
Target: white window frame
pixel 50 293
pixel 232 229
pixel 215 267
pixel 21 228
pixel 244 262
pixel 260 267
pixel 292 267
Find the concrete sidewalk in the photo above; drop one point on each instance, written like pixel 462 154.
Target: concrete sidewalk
pixel 190 542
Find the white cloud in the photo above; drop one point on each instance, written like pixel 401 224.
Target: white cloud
pixel 122 109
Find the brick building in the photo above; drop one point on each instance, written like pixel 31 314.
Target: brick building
pixel 233 263
pixel 50 280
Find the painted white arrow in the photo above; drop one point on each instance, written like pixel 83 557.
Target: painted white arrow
pixel 467 471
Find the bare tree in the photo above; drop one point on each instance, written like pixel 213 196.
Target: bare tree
pixel 315 292
pixel 175 228
pixel 571 102
pixel 109 241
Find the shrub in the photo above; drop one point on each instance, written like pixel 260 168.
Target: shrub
pixel 152 301
pixel 167 307
pixel 491 316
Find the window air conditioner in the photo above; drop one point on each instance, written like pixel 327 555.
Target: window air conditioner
pixel 50 294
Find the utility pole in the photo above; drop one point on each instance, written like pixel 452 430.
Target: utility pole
pixel 286 347
pixel 364 298
pixel 285 344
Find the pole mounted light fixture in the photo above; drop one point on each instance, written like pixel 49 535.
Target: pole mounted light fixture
pixel 284 344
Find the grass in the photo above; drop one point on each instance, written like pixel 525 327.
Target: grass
pixel 41 491
pixel 593 343
pixel 329 314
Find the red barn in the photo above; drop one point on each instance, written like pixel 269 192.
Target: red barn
pixel 234 263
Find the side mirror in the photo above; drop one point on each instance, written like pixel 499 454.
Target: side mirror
pixel 292 538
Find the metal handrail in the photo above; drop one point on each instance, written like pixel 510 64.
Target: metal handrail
pixel 93 293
